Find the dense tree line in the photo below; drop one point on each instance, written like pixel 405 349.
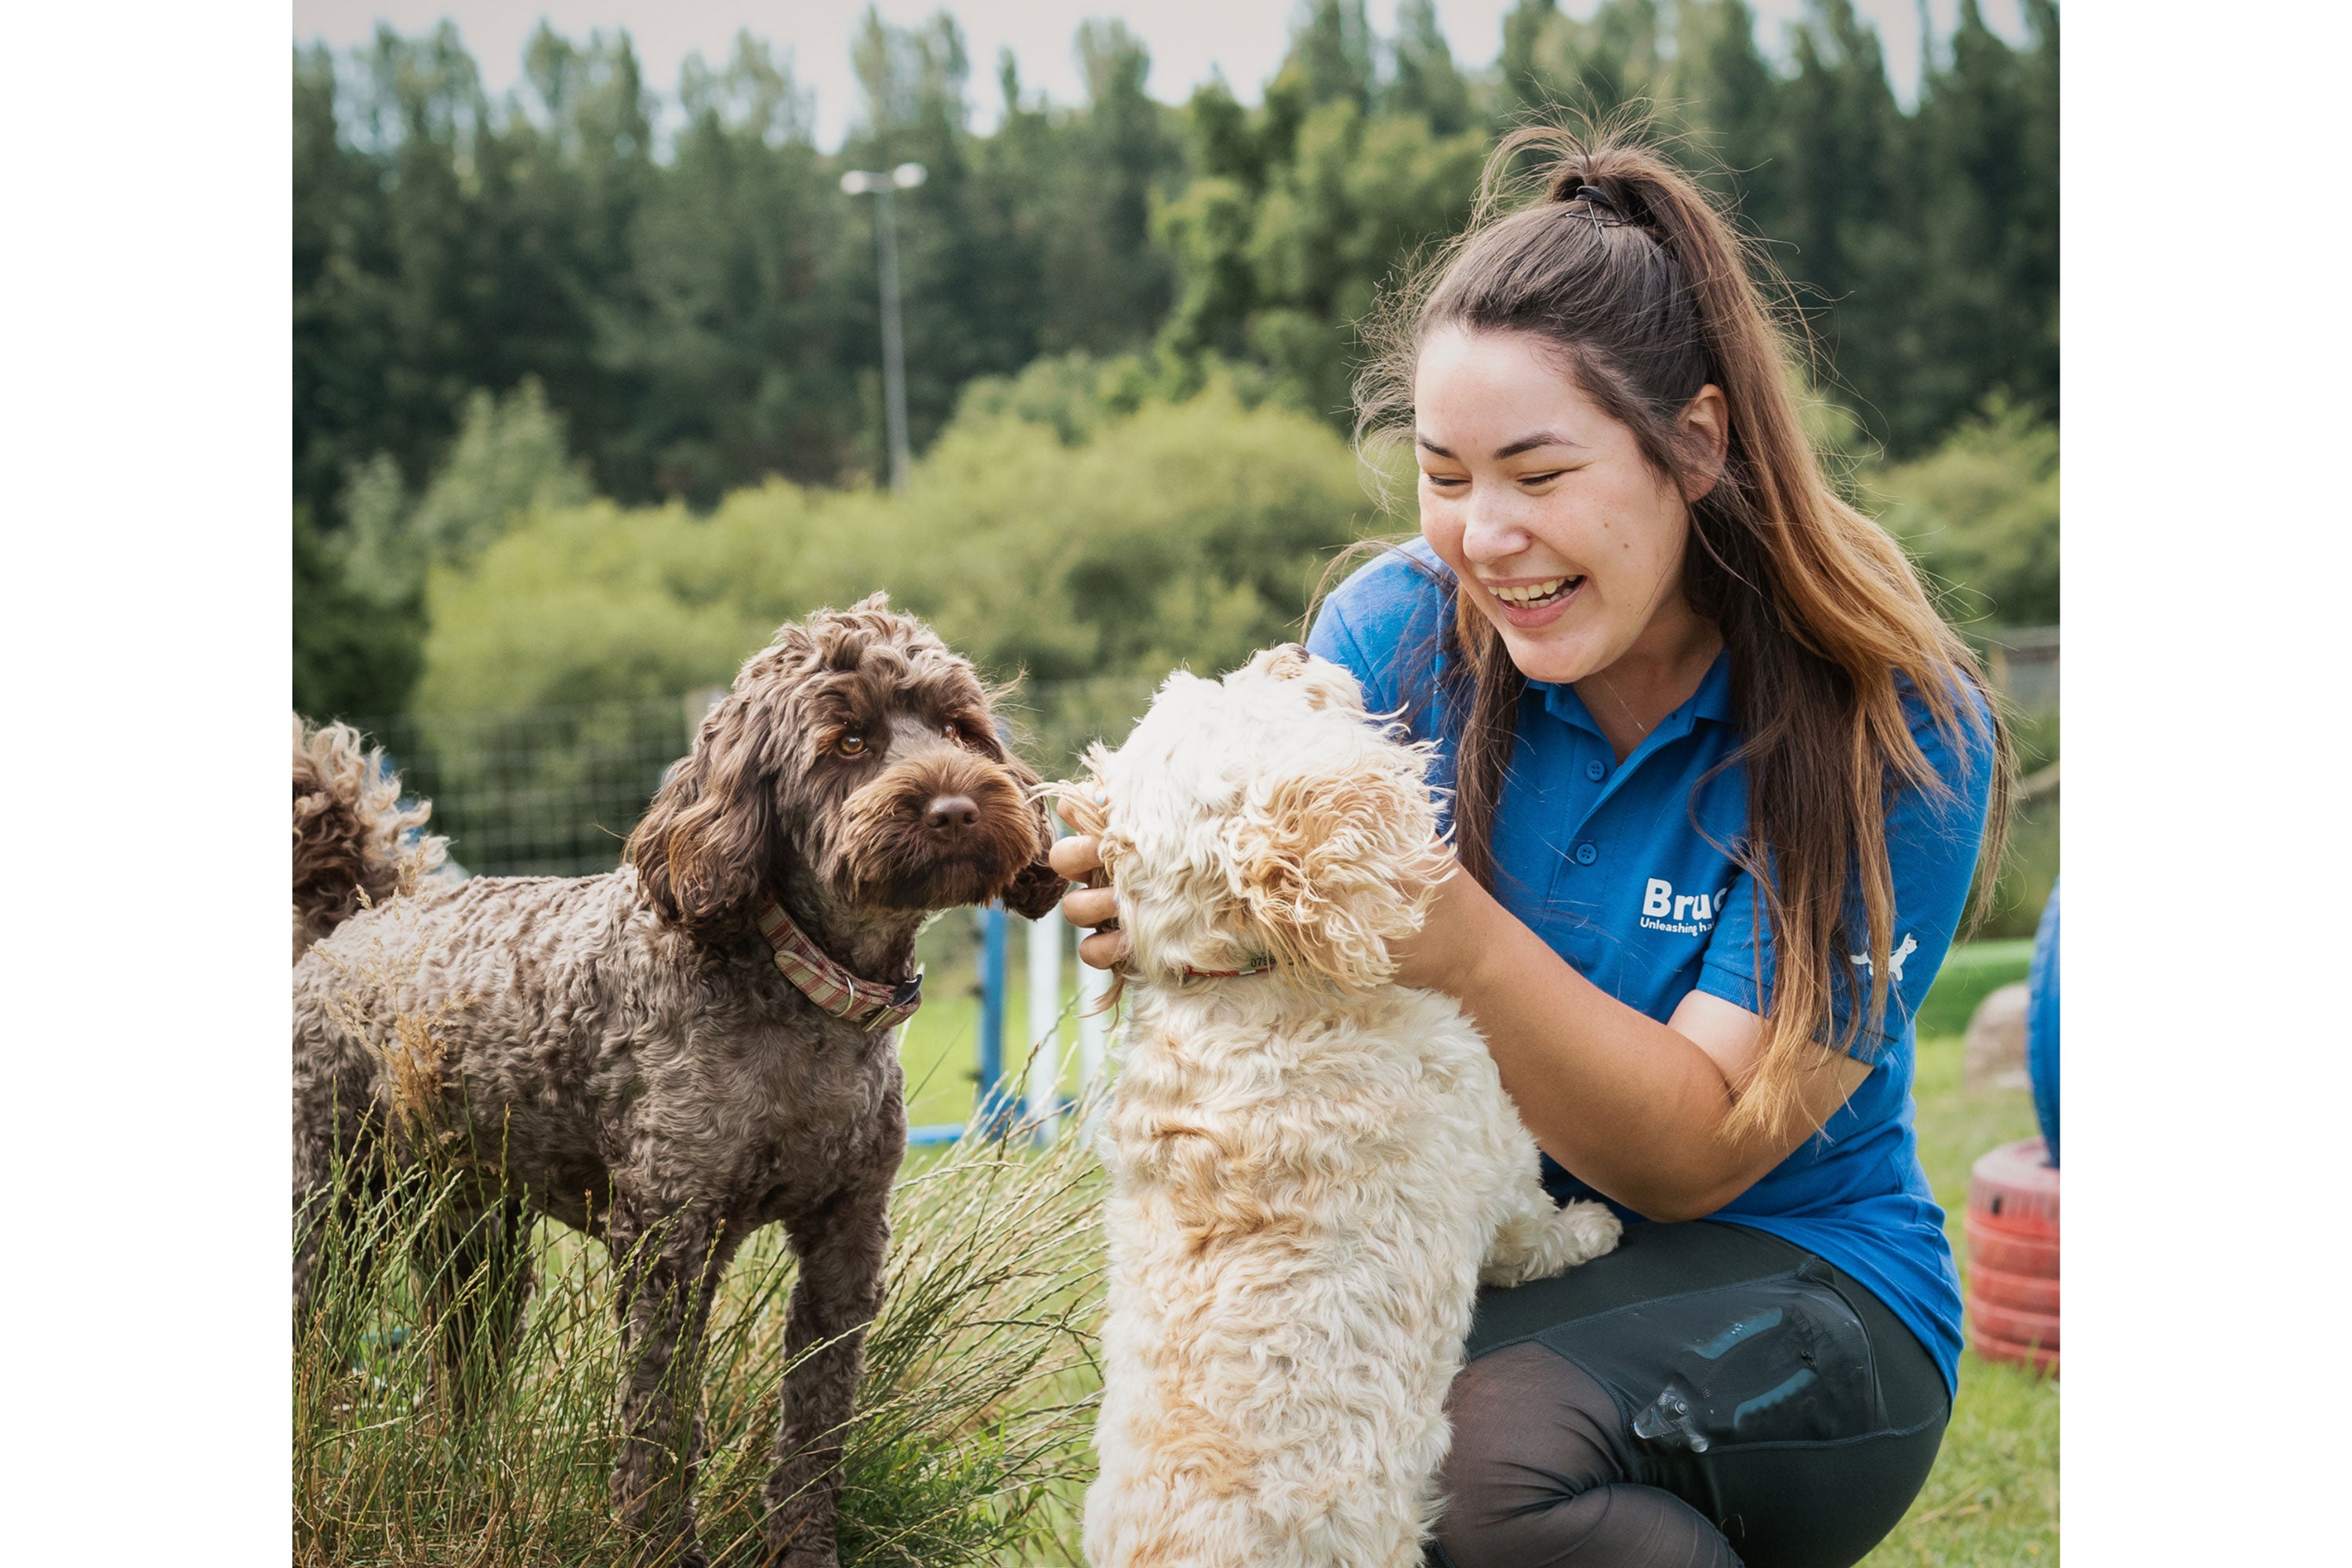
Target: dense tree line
pixel 693 312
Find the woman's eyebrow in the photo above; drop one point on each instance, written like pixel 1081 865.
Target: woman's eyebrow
pixel 1524 444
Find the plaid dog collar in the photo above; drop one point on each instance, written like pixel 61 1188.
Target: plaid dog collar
pixel 829 986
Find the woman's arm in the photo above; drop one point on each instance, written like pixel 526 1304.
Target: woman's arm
pixel 1634 1106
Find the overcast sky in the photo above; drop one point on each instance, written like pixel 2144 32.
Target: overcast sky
pixel 1188 40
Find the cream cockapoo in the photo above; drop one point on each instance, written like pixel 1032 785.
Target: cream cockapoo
pixel 1312 1167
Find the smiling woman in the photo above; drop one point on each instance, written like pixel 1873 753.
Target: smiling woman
pixel 1566 538
pixel 1719 779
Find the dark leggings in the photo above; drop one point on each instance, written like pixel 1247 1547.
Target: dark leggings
pixel 1704 1397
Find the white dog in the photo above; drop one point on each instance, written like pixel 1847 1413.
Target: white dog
pixel 1312 1167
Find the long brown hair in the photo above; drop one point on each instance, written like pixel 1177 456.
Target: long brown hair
pixel 1642 283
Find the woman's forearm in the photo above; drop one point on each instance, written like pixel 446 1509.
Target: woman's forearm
pixel 1631 1106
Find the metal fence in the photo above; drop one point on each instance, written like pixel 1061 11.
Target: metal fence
pixel 2024 664
pixel 554 791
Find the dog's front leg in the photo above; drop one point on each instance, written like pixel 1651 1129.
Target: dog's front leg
pixel 669 1268
pixel 841 1248
pixel 1528 1236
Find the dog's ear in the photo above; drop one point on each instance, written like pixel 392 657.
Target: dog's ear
pixel 1328 868
pixel 1323 683
pixel 1037 890
pixel 707 845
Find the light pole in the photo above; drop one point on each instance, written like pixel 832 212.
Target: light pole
pixel 858 182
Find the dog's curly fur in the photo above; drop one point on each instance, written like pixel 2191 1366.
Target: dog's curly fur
pixel 351 840
pixel 620 1052
pixel 1312 1167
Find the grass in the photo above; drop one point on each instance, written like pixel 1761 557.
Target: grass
pixel 1992 1499
pixel 970 1442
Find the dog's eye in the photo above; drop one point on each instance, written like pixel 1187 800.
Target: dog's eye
pixel 851 745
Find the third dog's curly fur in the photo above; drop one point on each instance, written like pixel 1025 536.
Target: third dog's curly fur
pixel 1312 1167
pixel 622 1053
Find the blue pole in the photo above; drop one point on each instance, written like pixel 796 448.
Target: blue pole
pixel 991 1015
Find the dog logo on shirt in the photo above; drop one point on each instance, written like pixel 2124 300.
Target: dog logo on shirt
pixel 1686 914
pixel 1893 960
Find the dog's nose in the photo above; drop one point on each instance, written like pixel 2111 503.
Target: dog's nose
pixel 950 813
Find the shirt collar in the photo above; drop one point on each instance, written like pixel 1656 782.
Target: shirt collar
pixel 1711 702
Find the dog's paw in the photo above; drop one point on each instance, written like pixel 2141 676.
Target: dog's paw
pixel 1588 1230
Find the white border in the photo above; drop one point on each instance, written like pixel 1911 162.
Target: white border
pixel 2205 605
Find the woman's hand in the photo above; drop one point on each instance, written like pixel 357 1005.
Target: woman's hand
pixel 1078 858
pixel 1439 956
pixel 1438 959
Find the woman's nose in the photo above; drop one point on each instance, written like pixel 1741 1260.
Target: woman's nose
pixel 1492 528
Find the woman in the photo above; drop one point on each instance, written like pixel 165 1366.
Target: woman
pixel 1721 777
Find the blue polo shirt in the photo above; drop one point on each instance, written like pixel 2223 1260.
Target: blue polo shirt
pixel 1620 867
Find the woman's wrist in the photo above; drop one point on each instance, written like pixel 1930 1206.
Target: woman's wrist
pixel 1445 954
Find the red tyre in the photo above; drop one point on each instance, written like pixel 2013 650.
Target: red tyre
pixel 2015 1188
pixel 2011 1226
pixel 2016 1292
pixel 1990 1248
pixel 2012 1327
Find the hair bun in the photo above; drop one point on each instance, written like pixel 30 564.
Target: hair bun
pixel 1575 185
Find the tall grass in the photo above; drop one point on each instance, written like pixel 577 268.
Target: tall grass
pixel 417 1443
pixel 970 1441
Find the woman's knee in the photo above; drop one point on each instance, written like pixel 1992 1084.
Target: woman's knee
pixel 1532 1432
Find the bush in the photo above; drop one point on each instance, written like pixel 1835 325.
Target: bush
pixel 1050 534
pixel 1981 517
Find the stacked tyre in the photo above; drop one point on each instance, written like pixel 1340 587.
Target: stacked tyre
pixel 2012 1233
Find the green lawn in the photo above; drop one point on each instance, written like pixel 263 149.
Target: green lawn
pixel 1993 1497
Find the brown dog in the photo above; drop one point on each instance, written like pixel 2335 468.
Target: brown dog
pixel 699 1044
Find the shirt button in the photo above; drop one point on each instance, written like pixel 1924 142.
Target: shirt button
pixel 1595 770
pixel 1586 854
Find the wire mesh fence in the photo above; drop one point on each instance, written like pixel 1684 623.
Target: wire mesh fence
pixel 554 791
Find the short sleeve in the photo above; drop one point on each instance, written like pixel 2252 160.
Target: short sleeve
pixel 1372 622
pixel 1932 842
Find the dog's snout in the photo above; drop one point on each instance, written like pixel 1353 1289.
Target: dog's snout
pixel 950 813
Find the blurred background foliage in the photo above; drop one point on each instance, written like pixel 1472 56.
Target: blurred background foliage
pixel 1046 532
pixel 587 379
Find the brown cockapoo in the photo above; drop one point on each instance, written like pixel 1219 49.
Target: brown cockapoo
pixel 660 1057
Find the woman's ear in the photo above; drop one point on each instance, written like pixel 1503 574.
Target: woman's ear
pixel 1705 426
pixel 705 847
pixel 1328 867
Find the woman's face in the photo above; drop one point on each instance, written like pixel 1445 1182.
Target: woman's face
pixel 1560 532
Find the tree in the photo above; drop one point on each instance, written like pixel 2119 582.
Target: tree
pixel 701 318
pixel 1425 83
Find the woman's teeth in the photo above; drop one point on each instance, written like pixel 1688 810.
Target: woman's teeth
pixel 1535 593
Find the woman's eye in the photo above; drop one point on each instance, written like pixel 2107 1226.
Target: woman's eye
pixel 851 745
pixel 1542 478
pixel 1445 482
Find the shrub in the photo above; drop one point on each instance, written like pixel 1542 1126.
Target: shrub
pixel 1980 516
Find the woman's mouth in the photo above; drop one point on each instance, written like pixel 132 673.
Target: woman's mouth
pixel 1531 604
